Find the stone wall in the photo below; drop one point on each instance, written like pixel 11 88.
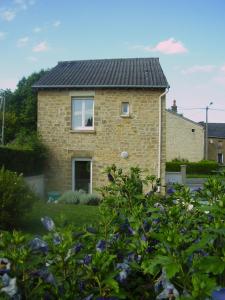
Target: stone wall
pixel 184 138
pixel 137 134
pixel 216 146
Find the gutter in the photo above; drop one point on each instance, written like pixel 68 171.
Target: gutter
pixel 160 134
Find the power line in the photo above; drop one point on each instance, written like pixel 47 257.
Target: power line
pixel 194 108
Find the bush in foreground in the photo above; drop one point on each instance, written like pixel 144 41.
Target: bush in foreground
pixel 145 247
pixel 16 199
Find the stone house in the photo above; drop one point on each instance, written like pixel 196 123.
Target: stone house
pixel 216 142
pixel 184 137
pixel 93 113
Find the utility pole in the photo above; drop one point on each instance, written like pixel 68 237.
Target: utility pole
pixel 2 98
pixel 206 130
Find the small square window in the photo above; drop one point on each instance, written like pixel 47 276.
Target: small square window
pixel 125 109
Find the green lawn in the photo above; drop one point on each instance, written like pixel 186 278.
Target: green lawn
pixel 78 215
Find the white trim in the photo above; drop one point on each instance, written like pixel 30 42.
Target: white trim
pixel 83 99
pixel 73 171
pixel 123 114
pixel 82 93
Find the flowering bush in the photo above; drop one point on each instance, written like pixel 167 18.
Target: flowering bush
pixel 145 247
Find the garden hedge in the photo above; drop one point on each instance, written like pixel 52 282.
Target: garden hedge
pixel 28 162
pixel 202 167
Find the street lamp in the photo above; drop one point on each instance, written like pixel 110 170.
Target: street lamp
pixel 206 129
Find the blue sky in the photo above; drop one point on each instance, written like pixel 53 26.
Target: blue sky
pixel 188 37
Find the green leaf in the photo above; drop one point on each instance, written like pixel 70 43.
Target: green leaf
pixel 112 283
pixel 211 264
pixel 167 262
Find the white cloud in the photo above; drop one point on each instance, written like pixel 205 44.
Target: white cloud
pixel 219 80
pixel 2 35
pixel 22 42
pixel 170 46
pixel 223 68
pixel 57 23
pixel 32 58
pixel 21 3
pixel 41 47
pixel 199 69
pixel 8 15
pixel 37 29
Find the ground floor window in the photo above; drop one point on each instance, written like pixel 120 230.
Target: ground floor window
pixel 82 174
pixel 220 158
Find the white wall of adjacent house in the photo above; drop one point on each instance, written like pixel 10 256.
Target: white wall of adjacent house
pixel 37 184
pixel 184 138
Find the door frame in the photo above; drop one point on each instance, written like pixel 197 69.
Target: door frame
pixel 73 171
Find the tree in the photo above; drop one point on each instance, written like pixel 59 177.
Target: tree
pixel 21 107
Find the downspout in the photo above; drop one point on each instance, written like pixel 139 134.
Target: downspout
pixel 160 134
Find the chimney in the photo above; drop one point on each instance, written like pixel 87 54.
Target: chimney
pixel 174 107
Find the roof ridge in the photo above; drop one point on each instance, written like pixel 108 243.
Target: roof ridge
pixel 108 59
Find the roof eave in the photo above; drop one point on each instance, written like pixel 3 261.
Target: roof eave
pixel 99 86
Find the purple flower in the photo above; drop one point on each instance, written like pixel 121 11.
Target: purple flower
pixel 56 239
pixel 219 295
pixel 122 275
pixel 4 266
pixel 77 248
pixel 48 223
pixel 38 244
pixel 5 279
pixel 170 191
pixel 101 245
pixel 45 275
pixel 87 259
pixel 146 226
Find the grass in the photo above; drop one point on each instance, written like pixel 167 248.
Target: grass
pixel 78 215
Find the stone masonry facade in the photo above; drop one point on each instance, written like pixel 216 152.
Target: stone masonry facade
pixel 185 138
pixel 138 134
pixel 216 147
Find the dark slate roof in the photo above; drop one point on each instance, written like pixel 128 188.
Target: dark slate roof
pixel 105 73
pixel 216 130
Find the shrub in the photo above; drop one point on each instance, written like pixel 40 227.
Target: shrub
pixel 16 199
pixel 79 197
pixel 202 167
pixel 26 154
pixel 145 247
pixel 70 197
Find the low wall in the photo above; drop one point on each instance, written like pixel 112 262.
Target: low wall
pixel 37 184
pixel 177 177
pixel 173 177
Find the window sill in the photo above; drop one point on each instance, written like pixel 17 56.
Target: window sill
pixel 82 131
pixel 125 116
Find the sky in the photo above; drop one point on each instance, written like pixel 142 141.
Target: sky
pixel 188 36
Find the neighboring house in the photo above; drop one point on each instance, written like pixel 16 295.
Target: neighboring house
pixel 216 142
pixel 184 137
pixel 93 113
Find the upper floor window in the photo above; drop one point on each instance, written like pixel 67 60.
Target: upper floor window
pixel 82 113
pixel 125 109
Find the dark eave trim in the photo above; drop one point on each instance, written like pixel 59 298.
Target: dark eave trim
pixel 99 86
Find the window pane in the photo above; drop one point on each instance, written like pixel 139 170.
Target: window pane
pixel 82 175
pixel 89 113
pixel 125 108
pixel 77 113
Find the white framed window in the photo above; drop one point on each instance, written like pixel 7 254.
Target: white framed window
pixel 83 113
pixel 125 109
pixel 82 174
